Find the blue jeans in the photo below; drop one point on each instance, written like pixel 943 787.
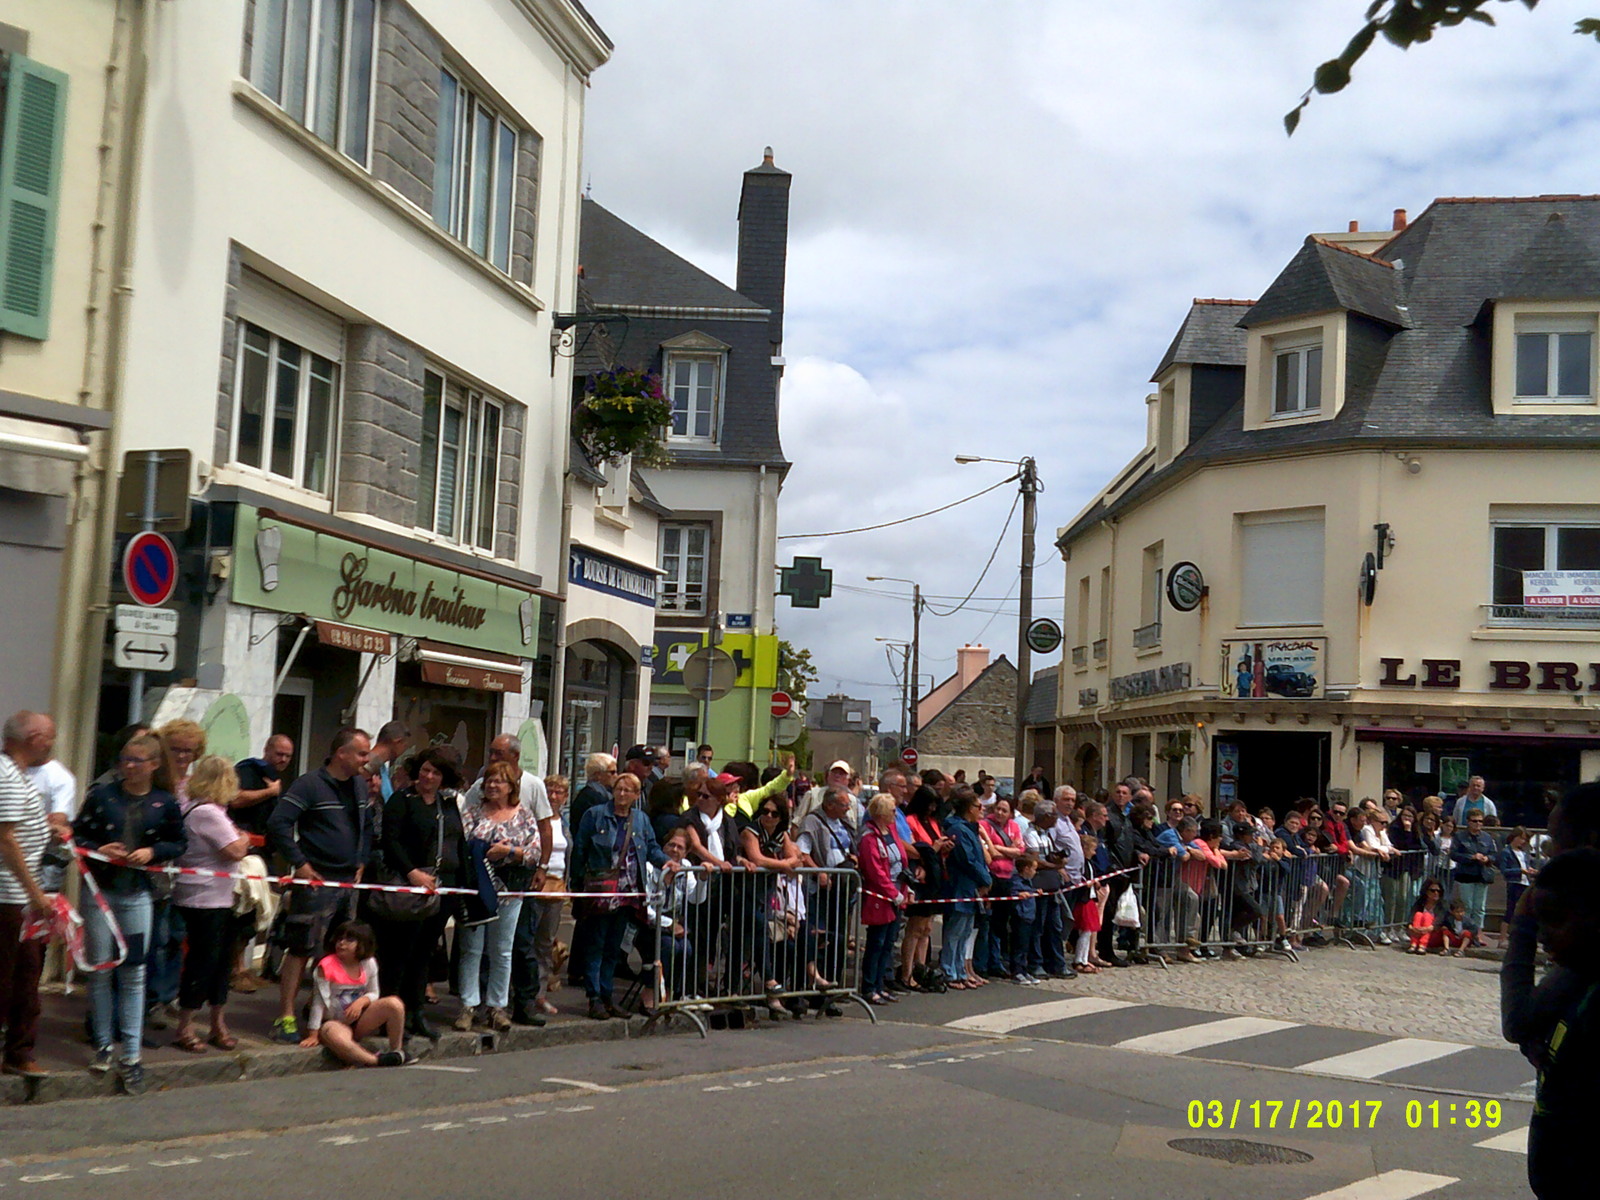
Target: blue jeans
pixel 1021 944
pixel 878 960
pixel 499 936
pixel 1476 897
pixel 999 931
pixel 164 970
pixel 132 911
pixel 953 943
pixel 604 948
pixel 1046 955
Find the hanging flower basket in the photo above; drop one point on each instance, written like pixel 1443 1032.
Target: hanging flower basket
pixel 624 412
pixel 1177 749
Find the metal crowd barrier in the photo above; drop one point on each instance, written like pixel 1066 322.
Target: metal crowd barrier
pixel 725 941
pixel 1192 908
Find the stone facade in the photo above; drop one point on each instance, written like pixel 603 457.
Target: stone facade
pixel 524 216
pixel 380 430
pixel 227 371
pixel 405 126
pixel 512 431
pixel 980 721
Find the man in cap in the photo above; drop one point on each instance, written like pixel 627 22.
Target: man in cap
pixel 838 777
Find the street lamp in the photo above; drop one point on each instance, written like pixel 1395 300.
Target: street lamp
pixel 1028 479
pixel 905 682
pixel 916 648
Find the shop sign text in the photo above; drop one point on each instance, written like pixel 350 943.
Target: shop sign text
pixel 355 591
pixel 1505 675
pixel 1171 678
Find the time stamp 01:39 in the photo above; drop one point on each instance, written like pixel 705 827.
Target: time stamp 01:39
pixel 1340 1114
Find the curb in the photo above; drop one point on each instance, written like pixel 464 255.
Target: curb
pixel 280 1062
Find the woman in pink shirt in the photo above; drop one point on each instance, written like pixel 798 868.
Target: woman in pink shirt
pixel 1205 856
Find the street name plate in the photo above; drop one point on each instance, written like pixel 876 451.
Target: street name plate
pixel 135 618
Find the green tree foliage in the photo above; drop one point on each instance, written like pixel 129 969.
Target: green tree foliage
pixel 795 672
pixel 1404 23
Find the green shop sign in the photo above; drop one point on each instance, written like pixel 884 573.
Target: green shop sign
pixel 291 569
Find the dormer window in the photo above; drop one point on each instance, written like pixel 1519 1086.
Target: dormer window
pixel 694 374
pixel 1297 377
pixel 1555 359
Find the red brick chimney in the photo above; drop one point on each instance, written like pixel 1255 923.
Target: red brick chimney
pixel 971 661
pixel 1399 219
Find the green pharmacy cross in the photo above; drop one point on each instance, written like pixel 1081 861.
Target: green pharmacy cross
pixel 807 583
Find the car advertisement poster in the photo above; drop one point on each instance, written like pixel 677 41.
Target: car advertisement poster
pixel 1272 668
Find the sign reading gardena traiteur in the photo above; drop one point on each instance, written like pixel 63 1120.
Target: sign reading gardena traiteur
pixel 288 568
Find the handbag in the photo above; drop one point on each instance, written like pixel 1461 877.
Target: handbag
pixel 1127 914
pixel 408 906
pixel 610 880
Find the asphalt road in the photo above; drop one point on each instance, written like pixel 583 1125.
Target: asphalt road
pixel 911 1108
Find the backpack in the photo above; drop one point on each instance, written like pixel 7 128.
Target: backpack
pixel 931 979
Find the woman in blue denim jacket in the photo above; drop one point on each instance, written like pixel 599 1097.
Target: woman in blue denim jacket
pixel 601 852
pixel 966 878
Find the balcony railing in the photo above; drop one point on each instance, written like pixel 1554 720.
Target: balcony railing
pixel 1100 650
pixel 1080 656
pixel 1515 615
pixel 1147 635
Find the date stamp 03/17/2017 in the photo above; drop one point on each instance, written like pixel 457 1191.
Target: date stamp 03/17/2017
pixel 1341 1114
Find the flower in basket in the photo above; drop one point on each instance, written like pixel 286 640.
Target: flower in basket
pixel 623 412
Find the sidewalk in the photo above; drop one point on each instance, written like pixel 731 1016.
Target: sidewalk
pixel 64 1052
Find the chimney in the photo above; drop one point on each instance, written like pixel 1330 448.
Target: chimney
pixel 1399 219
pixel 971 661
pixel 764 240
pixel 1355 226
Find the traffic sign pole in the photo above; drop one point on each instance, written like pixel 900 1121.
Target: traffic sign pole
pixel 147 522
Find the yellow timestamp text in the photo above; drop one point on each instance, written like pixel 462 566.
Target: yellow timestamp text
pixel 1340 1114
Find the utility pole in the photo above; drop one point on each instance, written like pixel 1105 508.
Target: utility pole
pixel 916 662
pixel 1029 478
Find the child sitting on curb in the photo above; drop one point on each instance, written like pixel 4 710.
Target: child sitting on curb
pixel 346 1007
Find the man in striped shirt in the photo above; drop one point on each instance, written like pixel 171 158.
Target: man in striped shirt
pixel 24 834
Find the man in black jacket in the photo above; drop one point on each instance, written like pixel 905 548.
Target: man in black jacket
pixel 1116 835
pixel 322 829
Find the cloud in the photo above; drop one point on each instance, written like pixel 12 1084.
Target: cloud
pixel 1001 211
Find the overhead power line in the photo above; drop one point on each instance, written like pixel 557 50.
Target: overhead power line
pixel 785 537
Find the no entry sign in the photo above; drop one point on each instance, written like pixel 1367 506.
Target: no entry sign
pixel 909 756
pixel 150 569
pixel 782 704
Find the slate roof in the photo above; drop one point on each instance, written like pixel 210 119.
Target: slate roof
pixel 1210 334
pixel 1418 370
pixel 623 266
pixel 1041 709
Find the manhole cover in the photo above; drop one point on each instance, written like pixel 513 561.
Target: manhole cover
pixel 1241 1152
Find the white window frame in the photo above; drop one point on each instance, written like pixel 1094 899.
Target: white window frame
pixel 674 581
pixel 300 437
pixel 717 363
pixel 1303 375
pixel 276 24
pixel 472 505
pixel 1552 528
pixel 1553 327
pixel 466 190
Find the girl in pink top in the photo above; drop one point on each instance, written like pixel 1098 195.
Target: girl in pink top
pixel 346 1007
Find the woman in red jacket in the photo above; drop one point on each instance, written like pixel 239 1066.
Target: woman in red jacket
pixel 883 858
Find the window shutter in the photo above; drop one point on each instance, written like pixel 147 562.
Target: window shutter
pixel 30 190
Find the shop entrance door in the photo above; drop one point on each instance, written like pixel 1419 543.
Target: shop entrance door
pixel 1274 768
pixel 584 733
pixel 291 714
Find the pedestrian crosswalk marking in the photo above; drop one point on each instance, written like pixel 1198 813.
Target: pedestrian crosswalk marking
pixel 1390 1185
pixel 1382 1059
pixel 1198 1037
pixel 1008 1019
pixel 1513 1141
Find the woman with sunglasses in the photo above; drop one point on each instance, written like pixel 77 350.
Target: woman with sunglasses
pixel 766 845
pixel 135 825
pixel 1426 913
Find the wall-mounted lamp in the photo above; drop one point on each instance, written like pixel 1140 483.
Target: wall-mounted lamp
pixel 1412 462
pixel 1385 541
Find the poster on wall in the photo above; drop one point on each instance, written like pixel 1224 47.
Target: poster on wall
pixel 1561 589
pixel 1227 758
pixel 1272 668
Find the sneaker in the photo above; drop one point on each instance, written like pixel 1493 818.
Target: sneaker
pixel 1283 944
pixel 101 1063
pixel 499 1021
pixel 286 1031
pixel 464 1021
pixel 391 1058
pixel 131 1076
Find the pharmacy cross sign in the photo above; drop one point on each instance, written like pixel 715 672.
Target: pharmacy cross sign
pixel 807 583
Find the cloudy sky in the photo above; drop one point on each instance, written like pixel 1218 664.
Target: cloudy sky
pixel 1000 213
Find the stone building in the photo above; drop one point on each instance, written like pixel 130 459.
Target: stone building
pixel 972 724
pixel 842 727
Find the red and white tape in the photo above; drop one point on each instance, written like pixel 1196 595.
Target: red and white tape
pixel 1096 881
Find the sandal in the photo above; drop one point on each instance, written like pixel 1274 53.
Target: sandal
pixel 223 1041
pixel 190 1044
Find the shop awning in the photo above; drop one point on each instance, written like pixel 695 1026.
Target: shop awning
pixel 1381 733
pixel 456 666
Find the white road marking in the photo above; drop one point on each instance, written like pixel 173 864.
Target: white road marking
pixel 1391 1185
pixel 442 1067
pixel 239 1153
pixel 578 1083
pixel 1515 1141
pixel 576 1108
pixel 536 1112
pixel 1198 1037
pixel 117 1170
pixel 489 1120
pixel 186 1161
pixel 1008 1019
pixel 343 1139
pixel 1383 1058
pixel 43 1178
pixel 392 1133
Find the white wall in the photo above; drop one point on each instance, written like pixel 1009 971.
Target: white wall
pixel 748 500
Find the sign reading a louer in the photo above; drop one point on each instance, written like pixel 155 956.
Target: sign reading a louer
pixel 591 569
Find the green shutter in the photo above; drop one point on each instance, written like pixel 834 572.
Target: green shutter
pixel 30 190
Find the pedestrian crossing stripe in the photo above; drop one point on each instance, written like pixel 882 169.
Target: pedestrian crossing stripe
pixel 1368 1063
pixel 1389 1185
pixel 1513 1141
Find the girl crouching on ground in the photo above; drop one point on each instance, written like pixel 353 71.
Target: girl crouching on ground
pixel 346 1007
